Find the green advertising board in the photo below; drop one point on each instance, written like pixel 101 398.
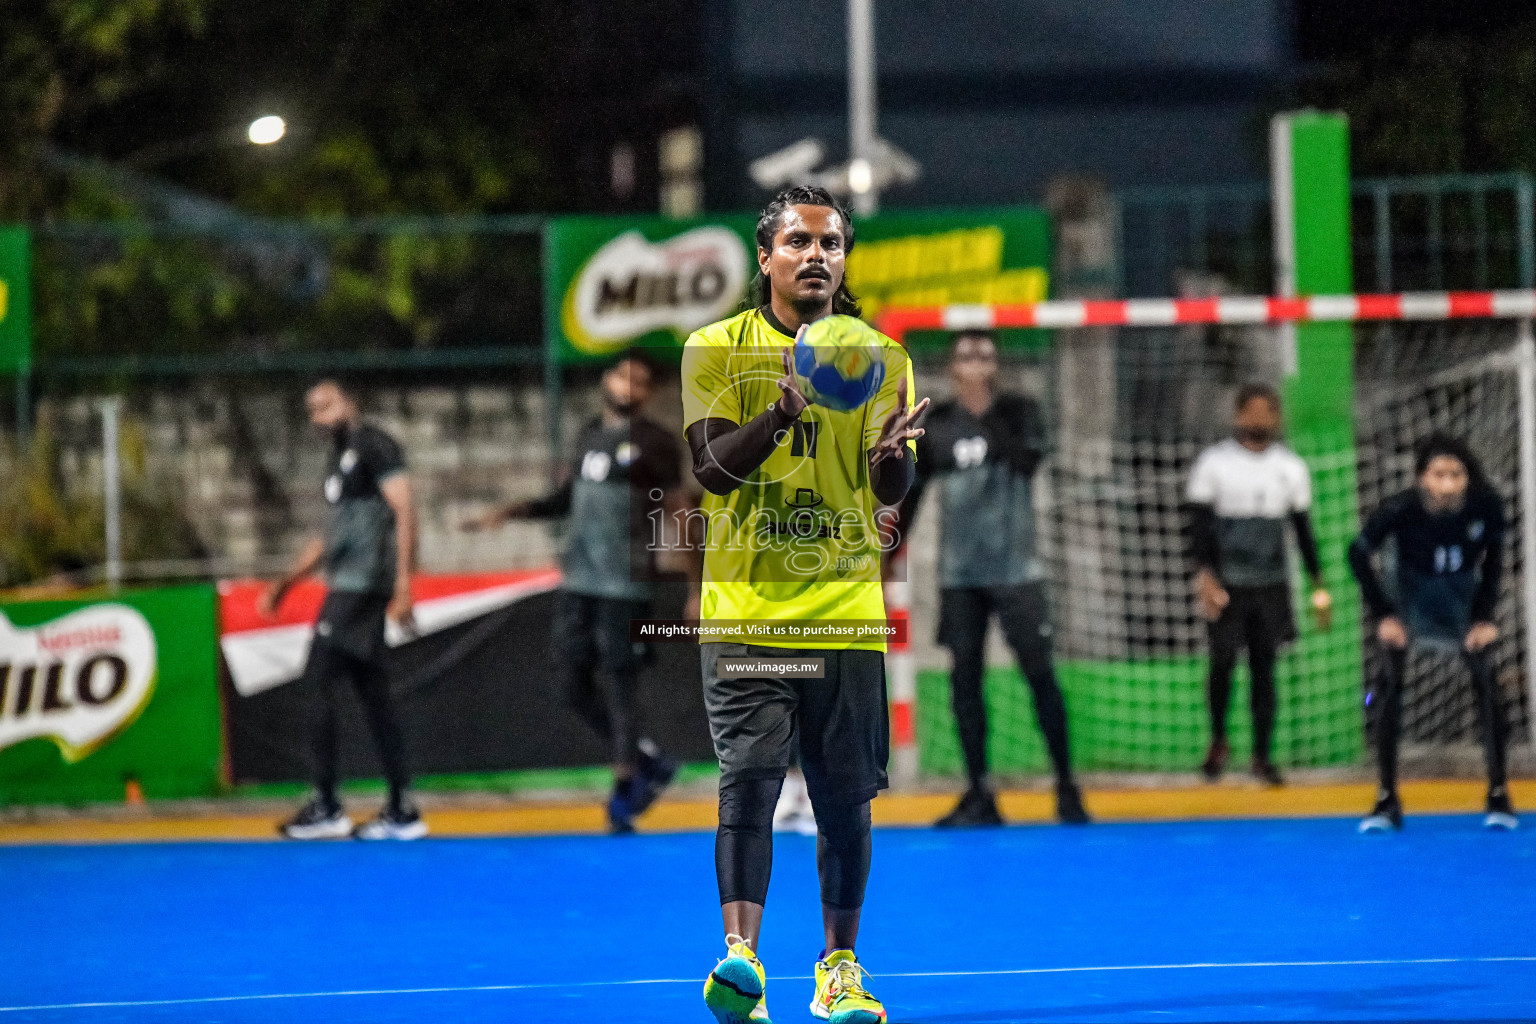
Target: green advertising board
pixel 96 692
pixel 15 300
pixel 613 282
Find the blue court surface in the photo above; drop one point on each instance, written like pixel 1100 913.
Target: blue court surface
pixel 1220 921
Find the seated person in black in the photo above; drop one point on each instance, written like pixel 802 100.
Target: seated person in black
pixel 1449 530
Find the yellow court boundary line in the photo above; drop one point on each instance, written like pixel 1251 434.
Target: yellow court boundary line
pixel 574 818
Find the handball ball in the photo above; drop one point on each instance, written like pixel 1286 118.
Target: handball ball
pixel 838 363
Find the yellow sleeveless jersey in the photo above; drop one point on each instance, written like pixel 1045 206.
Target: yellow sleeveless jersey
pixel 797 541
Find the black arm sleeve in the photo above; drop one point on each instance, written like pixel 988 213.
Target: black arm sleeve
pixel 1492 570
pixel 1375 595
pixel 906 512
pixel 1377 527
pixel 1022 435
pixel 1306 544
pixel 1204 551
pixel 892 477
pixel 724 454
pixel 555 504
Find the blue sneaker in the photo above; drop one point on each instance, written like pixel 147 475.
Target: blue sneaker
pixel 657 771
pixel 621 809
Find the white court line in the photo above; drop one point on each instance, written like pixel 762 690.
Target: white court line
pixel 796 977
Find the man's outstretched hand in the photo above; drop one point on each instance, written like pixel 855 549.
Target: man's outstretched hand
pixel 900 426
pixel 791 402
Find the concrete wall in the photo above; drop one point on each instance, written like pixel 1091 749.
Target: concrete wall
pixel 245 469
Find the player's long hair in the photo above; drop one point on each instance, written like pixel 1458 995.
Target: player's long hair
pixel 760 291
pixel 1438 444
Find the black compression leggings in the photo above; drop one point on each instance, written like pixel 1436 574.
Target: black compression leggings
pixel 1021 612
pixel 744 845
pixel 1389 724
pixel 331 669
pixel 1261 675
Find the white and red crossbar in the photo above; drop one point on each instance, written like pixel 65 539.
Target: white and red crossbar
pixel 896 321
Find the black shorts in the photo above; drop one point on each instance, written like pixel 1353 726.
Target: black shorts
pixel 352 623
pixel 1255 616
pixel 1021 608
pixel 841 721
pixel 593 632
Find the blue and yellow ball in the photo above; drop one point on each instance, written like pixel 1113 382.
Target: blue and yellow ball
pixel 839 363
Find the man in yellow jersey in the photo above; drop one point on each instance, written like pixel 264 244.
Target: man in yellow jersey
pixel 792 541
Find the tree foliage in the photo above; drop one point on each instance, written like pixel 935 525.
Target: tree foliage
pixel 63 62
pixel 1439 104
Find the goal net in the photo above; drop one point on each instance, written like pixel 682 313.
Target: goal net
pixel 1130 645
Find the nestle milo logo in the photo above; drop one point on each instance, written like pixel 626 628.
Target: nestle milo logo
pixel 78 680
pixel 631 287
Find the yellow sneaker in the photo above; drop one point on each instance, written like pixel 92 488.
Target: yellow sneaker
pixel 735 989
pixel 840 995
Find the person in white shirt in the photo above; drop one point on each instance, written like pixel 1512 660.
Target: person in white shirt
pixel 1242 493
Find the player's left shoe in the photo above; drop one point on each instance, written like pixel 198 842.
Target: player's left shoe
pixel 318 819
pixel 976 809
pixel 1386 816
pixel 736 990
pixel 1069 805
pixel 1500 813
pixel 621 808
pixel 840 994
pixel 656 773
pixel 1266 772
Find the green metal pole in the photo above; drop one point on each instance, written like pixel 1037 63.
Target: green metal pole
pixel 16 320
pixel 1321 720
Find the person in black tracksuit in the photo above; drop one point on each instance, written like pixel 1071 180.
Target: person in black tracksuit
pixel 980 454
pixel 367 553
pixel 626 470
pixel 1449 531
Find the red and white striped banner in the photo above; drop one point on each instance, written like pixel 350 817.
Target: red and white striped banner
pixel 263 653
pixel 897 321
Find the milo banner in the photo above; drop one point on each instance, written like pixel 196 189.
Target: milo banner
pixel 97 693
pixel 613 282
pixel 15 300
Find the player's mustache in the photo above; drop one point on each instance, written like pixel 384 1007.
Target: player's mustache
pixel 814 271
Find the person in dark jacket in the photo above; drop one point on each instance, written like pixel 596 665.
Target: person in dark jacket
pixel 1449 531
pixel 626 469
pixel 979 457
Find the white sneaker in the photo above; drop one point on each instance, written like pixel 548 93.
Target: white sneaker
pixel 794 812
pixel 316 820
pixel 402 822
pixel 1500 812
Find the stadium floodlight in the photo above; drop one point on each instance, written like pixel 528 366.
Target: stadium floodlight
pixel 864 176
pixel 789 166
pixel 266 130
pixel 861 176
